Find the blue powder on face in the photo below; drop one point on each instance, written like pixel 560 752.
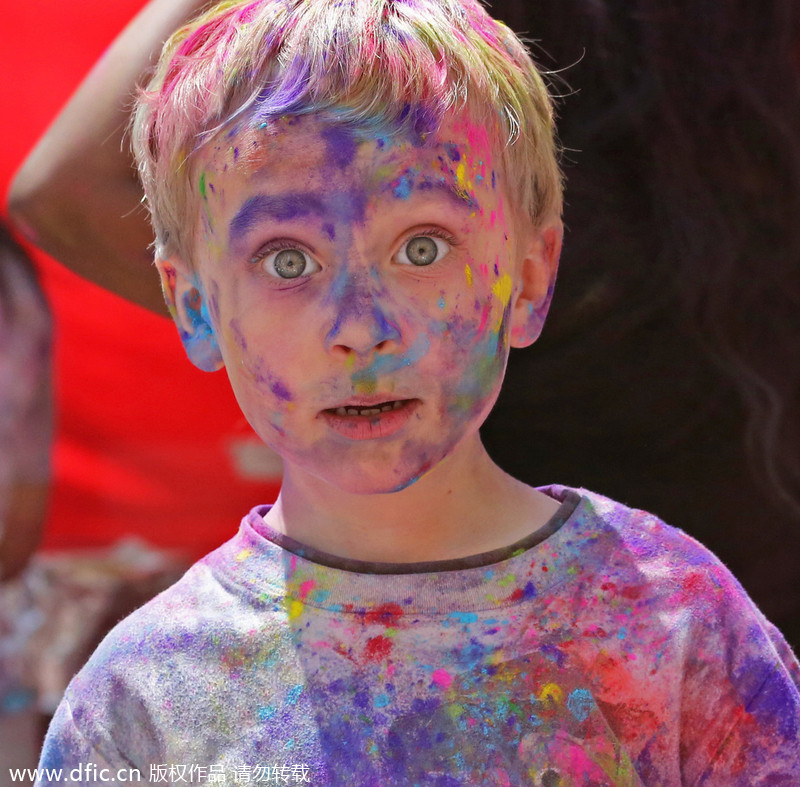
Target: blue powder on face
pixel 201 334
pixel 404 186
pixel 329 231
pixel 386 364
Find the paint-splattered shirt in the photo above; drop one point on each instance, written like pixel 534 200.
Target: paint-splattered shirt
pixel 606 649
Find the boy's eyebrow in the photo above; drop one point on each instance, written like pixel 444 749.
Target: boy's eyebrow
pixel 280 207
pixel 454 191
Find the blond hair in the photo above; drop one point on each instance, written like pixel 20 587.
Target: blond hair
pixel 373 64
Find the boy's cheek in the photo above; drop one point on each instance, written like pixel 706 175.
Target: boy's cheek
pixel 485 301
pixel 474 350
pixel 211 303
pixel 258 373
pixel 266 399
pixel 472 385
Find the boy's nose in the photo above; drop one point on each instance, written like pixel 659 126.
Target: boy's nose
pixel 362 322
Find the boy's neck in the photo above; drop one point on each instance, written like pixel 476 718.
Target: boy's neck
pixel 464 506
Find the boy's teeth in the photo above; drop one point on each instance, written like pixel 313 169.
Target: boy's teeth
pixel 375 410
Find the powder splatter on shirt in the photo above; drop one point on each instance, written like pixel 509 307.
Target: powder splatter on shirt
pixel 614 651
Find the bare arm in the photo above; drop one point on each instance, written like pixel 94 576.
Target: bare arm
pixel 76 196
pixel 24 522
pixel 29 448
pixel 26 402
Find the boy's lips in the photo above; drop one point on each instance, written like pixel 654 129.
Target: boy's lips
pixel 369 417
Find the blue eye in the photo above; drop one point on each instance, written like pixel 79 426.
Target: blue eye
pixel 422 250
pixel 287 263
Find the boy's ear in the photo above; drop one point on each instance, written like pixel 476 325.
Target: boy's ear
pixel 535 283
pixel 188 307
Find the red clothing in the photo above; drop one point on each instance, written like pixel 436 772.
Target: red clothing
pixel 143 439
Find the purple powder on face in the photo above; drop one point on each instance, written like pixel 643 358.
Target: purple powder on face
pixel 426 122
pixel 453 152
pixel 383 329
pixel 349 206
pixel 283 207
pixel 280 390
pixel 238 335
pixel 342 145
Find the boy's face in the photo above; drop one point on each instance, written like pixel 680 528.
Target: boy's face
pixel 362 292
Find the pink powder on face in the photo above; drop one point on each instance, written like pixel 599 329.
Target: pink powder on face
pixel 442 677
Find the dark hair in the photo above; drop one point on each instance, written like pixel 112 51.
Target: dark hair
pixel 679 292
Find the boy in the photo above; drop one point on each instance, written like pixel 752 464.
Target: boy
pixel 357 214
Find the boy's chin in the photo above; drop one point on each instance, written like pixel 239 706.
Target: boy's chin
pixel 373 481
pixel 364 484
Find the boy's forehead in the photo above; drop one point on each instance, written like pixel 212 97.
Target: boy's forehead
pixel 313 171
pixel 313 149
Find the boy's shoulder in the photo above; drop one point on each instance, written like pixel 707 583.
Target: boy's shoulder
pixel 201 611
pixel 622 554
pixel 630 540
pixel 165 660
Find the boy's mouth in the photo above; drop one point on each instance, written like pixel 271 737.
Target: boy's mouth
pixel 370 410
pixel 366 420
